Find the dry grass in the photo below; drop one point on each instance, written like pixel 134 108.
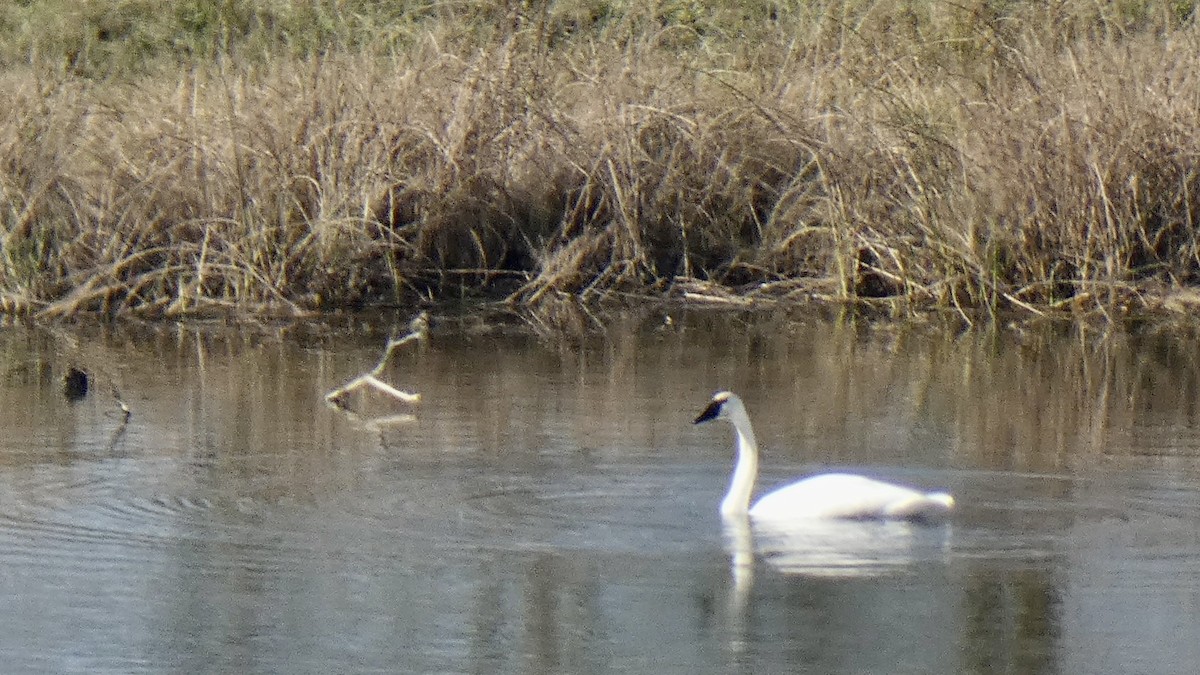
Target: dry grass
pixel 975 156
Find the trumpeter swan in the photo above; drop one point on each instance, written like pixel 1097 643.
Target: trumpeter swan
pixel 831 495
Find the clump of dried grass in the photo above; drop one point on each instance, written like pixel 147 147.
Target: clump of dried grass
pixel 943 155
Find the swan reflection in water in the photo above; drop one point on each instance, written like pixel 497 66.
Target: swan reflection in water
pixel 845 557
pixel 832 548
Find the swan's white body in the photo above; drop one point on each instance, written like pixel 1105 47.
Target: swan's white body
pixel 825 496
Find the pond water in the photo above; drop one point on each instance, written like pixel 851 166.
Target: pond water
pixel 550 508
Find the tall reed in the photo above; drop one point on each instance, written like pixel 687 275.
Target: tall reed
pixel 231 157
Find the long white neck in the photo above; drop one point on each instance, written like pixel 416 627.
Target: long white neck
pixel 737 500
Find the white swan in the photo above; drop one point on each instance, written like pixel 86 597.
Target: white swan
pixel 831 495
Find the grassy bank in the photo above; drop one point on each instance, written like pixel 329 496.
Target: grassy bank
pixel 288 156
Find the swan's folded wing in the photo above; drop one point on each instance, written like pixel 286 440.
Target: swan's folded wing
pixel 850 496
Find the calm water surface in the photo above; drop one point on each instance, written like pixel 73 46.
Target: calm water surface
pixel 549 508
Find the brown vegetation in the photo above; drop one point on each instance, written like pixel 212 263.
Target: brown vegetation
pixel 977 156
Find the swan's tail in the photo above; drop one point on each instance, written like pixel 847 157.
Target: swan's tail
pixel 931 507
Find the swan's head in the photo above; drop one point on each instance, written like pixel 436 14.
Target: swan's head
pixel 719 408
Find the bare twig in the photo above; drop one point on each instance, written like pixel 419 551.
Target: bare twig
pixel 339 397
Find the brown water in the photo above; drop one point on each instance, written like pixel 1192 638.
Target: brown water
pixel 551 509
